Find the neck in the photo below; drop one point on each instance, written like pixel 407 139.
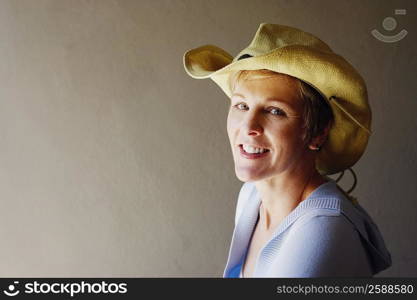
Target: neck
pixel 279 196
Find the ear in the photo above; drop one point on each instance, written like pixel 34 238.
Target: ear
pixel 319 140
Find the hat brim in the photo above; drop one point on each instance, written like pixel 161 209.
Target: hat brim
pixel 202 62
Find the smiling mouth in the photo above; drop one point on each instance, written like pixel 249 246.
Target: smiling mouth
pixel 253 152
pixel 250 150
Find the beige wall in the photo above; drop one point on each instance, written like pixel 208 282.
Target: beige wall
pixel 113 162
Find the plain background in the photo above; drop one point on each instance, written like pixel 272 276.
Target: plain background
pixel 113 162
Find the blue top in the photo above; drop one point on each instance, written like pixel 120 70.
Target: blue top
pixel 326 235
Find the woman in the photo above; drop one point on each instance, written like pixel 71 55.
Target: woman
pixel 298 112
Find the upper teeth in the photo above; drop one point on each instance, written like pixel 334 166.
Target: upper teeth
pixel 251 149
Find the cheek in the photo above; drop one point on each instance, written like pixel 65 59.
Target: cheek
pixel 232 124
pixel 285 134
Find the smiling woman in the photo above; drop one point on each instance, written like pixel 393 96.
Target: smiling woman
pixel 271 149
pixel 298 112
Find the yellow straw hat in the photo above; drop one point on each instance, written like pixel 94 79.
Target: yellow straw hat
pixel 300 54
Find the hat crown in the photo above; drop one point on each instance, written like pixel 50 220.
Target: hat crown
pixel 270 37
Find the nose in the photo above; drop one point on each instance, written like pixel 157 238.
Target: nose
pixel 251 125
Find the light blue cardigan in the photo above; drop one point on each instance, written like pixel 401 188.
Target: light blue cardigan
pixel 326 235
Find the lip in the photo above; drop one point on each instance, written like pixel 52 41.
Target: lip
pixel 252 155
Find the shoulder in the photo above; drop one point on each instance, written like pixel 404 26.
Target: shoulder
pixel 320 223
pixel 323 244
pixel 326 223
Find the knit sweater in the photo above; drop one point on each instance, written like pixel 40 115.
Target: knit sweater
pixel 326 235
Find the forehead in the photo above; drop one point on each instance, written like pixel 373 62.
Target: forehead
pixel 271 88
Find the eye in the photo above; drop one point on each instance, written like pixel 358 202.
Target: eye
pixel 240 106
pixel 277 111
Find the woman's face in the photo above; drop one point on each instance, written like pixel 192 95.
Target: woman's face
pixel 266 113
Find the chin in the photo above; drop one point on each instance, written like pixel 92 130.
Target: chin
pixel 248 176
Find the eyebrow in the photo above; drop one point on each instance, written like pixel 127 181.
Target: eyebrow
pixel 271 99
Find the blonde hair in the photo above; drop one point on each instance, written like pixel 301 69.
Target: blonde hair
pixel 317 113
